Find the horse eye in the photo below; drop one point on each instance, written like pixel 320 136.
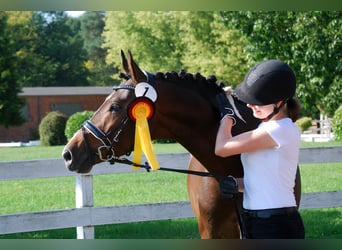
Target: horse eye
pixel 115 108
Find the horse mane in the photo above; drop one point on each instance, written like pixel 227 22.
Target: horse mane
pixel 194 81
pixel 207 87
pixel 197 80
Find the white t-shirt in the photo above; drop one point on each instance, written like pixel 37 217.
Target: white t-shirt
pixel 269 175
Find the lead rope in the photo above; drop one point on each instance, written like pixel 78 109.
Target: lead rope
pixel 242 225
pixel 198 173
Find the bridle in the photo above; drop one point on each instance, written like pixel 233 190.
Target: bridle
pixel 106 152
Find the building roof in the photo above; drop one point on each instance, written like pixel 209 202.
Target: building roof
pixel 65 91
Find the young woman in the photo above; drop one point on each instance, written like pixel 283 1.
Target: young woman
pixel 269 154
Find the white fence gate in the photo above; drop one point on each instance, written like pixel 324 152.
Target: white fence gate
pixel 85 216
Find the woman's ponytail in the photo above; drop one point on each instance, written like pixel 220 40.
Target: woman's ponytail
pixel 293 108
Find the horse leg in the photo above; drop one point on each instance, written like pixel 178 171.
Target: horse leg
pixel 194 184
pixel 215 214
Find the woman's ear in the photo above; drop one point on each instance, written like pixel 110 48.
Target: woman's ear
pixel 280 104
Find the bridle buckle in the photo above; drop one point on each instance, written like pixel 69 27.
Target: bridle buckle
pixel 108 151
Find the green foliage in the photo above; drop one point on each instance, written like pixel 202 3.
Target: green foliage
pixel 174 40
pixel 10 104
pixel 211 48
pixel 334 98
pixel 304 123
pixel 34 68
pixel 49 49
pixel 150 35
pixel 310 42
pixel 75 121
pixel 92 25
pixel 337 124
pixel 227 43
pixel 51 129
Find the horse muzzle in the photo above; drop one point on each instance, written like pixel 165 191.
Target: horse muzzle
pixel 79 167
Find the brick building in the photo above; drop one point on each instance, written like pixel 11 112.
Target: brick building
pixel 42 100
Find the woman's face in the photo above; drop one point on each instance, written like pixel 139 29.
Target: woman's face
pixel 261 112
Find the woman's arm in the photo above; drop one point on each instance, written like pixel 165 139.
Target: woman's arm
pixel 227 145
pixel 241 186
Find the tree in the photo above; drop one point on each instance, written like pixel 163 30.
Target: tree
pixel 310 42
pixel 152 36
pixel 49 49
pixel 92 25
pixel 34 69
pixel 174 40
pixel 10 104
pixel 212 48
pixel 60 43
pixel 318 49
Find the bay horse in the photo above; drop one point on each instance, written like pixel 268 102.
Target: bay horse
pixel 184 110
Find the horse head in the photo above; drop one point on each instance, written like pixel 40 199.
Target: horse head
pixel 108 134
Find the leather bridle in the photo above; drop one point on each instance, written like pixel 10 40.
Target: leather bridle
pixel 106 151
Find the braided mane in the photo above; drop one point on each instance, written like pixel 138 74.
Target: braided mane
pixel 206 87
pixel 196 81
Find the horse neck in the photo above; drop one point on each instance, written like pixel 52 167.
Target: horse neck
pixel 184 115
pixel 188 117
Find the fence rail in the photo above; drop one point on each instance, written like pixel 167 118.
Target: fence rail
pixel 85 216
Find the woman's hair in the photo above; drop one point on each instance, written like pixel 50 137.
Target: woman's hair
pixel 293 108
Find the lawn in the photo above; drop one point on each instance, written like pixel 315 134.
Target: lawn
pixel 135 188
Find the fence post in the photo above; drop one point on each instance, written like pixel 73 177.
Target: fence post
pixel 84 198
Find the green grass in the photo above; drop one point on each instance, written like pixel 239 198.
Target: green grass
pixel 321 177
pixel 321 144
pixel 137 187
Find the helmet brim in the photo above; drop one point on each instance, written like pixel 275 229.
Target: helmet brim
pixel 242 94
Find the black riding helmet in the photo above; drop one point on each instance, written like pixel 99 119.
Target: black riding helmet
pixel 267 83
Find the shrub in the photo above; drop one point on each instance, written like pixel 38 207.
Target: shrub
pixel 337 124
pixel 51 129
pixel 75 121
pixel 304 123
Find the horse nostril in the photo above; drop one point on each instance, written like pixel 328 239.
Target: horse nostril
pixel 67 155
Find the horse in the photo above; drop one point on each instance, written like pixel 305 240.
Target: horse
pixel 184 110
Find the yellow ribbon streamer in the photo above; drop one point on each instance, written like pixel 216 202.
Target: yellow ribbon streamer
pixel 142 141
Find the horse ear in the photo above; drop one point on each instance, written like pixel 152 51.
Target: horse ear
pixel 124 62
pixel 136 73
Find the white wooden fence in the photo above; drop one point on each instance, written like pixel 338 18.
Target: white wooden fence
pixel 322 133
pixel 85 216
